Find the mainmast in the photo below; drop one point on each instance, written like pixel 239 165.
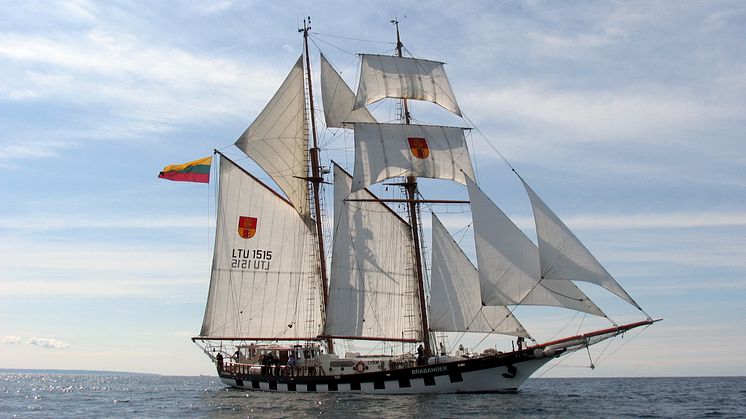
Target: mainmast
pixel 411 187
pixel 316 178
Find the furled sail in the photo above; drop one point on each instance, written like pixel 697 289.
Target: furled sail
pixel 338 99
pixel 265 281
pixel 383 76
pixel 372 289
pixel 509 263
pixel 455 303
pixel 383 151
pixel 277 141
pixel 563 256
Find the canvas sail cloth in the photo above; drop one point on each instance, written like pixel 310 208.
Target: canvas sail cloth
pixel 372 289
pixel 338 99
pixel 455 303
pixel 277 141
pixel 383 76
pixel 509 263
pixel 264 277
pixel 383 151
pixel 563 256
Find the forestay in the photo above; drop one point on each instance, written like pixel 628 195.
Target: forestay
pixel 338 99
pixel 265 281
pixel 277 139
pixel 383 151
pixel 455 304
pixel 383 76
pixel 563 256
pixel 509 263
pixel 372 288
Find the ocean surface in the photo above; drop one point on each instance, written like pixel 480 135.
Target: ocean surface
pixel 83 395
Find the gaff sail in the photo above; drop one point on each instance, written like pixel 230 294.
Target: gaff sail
pixel 264 282
pixel 372 285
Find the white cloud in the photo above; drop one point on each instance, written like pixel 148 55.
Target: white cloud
pixel 129 86
pixel 34 149
pixel 552 44
pixel 48 343
pixel 639 114
pixel 11 340
pixel 42 222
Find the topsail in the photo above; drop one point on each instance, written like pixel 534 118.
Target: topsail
pixel 383 76
pixel 384 151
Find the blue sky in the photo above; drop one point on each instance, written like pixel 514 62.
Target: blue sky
pixel 628 118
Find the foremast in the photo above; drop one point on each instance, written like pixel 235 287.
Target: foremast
pixel 316 179
pixel 410 185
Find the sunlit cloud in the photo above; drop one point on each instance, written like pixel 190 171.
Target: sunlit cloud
pixel 11 340
pixel 48 343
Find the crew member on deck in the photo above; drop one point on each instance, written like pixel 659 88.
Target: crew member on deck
pixel 519 342
pixel 291 364
pixel 420 355
pixel 219 358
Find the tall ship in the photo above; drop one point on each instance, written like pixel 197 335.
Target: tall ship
pixel 294 290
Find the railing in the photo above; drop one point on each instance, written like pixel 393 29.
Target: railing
pixel 238 369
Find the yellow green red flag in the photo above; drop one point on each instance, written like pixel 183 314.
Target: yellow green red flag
pixel 194 171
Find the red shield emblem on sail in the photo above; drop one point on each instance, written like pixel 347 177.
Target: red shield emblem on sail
pixel 247 227
pixel 419 147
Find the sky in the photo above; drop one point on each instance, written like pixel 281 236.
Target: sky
pixel 627 118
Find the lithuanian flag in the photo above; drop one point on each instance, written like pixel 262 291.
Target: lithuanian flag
pixel 194 171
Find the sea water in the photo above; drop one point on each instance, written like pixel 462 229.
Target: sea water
pixel 82 395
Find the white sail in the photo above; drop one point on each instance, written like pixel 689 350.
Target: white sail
pixel 563 256
pixel 372 287
pixel 383 151
pixel 277 139
pixel 264 280
pixel 383 76
pixel 338 99
pixel 509 263
pixel 455 303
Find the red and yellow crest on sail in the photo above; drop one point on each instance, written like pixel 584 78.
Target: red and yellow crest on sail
pixel 419 148
pixel 247 226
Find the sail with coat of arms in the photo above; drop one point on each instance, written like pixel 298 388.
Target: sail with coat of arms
pixel 264 282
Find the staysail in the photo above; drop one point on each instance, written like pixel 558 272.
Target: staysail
pixel 509 263
pixel 455 303
pixel 264 283
pixel 383 76
pixel 372 288
pixel 338 99
pixel 563 256
pixel 277 139
pixel 383 151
